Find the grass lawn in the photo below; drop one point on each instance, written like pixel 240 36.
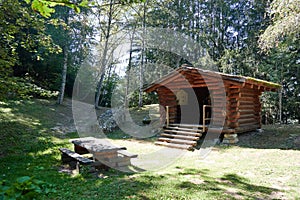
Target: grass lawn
pixel 261 166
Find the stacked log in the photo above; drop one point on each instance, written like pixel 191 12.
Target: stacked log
pixel 249 107
pixel 218 98
pixel 233 114
pixel 244 108
pixel 167 98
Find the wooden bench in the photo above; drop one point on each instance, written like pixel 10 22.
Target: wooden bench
pixel 124 158
pixel 125 153
pixel 115 159
pixel 74 159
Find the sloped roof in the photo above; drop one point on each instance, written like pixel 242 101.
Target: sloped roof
pixel 269 86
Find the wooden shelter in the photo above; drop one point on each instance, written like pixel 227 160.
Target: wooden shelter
pixel 193 101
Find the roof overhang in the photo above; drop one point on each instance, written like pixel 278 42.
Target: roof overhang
pixel 233 79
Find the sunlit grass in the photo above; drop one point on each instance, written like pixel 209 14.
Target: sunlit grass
pixel 259 167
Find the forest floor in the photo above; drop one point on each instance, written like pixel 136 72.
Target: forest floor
pixel 262 165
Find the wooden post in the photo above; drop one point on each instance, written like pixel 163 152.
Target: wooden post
pixel 167 116
pixel 204 116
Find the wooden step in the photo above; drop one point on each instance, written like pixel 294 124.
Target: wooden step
pixel 177 146
pixel 187 125
pixel 215 130
pixel 177 141
pixel 184 133
pixel 185 129
pixel 184 137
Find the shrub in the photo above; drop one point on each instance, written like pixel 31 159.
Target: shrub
pixel 24 187
pixel 13 88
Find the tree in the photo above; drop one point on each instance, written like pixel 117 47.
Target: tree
pixel 280 41
pixel 107 33
pixel 23 35
pixel 285 24
pixel 108 26
pixel 221 28
pixel 74 35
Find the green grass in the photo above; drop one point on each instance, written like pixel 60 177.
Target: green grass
pixel 261 166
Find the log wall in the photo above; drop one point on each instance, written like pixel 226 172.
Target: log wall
pixel 166 97
pixel 243 108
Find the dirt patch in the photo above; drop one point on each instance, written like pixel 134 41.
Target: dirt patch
pixel 194 179
pixel 278 195
pixel 64 117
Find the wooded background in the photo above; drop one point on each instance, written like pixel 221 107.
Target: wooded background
pixel 42 47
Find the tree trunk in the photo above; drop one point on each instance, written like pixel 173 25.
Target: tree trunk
pixel 104 55
pixel 141 75
pixel 63 77
pixel 107 81
pixel 280 106
pixel 128 70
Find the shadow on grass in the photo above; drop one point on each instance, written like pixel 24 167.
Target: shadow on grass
pixel 227 187
pixel 285 137
pixel 24 127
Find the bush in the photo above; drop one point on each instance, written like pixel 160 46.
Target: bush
pixel 25 187
pixel 14 88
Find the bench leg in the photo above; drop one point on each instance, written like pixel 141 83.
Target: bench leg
pixel 66 159
pixel 78 167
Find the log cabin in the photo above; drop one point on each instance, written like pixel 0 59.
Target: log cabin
pixel 194 101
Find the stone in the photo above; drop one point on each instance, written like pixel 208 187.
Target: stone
pixel 230 139
pixel 230 135
pixel 108 121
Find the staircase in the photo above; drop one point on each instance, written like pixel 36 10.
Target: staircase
pixel 180 136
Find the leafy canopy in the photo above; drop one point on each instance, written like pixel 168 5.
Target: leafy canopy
pixel 46 7
pixel 285 16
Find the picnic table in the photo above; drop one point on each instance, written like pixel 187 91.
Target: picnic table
pixel 101 152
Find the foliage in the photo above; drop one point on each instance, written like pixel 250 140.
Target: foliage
pixel 108 89
pixel 24 187
pixel 45 7
pixel 23 30
pixel 280 40
pixel 285 16
pixel 283 61
pixel 74 33
pixel 225 31
pixel 220 27
pixel 148 98
pixel 15 88
pixel 22 36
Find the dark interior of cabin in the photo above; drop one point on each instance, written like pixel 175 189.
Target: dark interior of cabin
pixel 188 113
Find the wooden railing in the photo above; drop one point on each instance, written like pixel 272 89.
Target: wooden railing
pixel 167 116
pixel 204 119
